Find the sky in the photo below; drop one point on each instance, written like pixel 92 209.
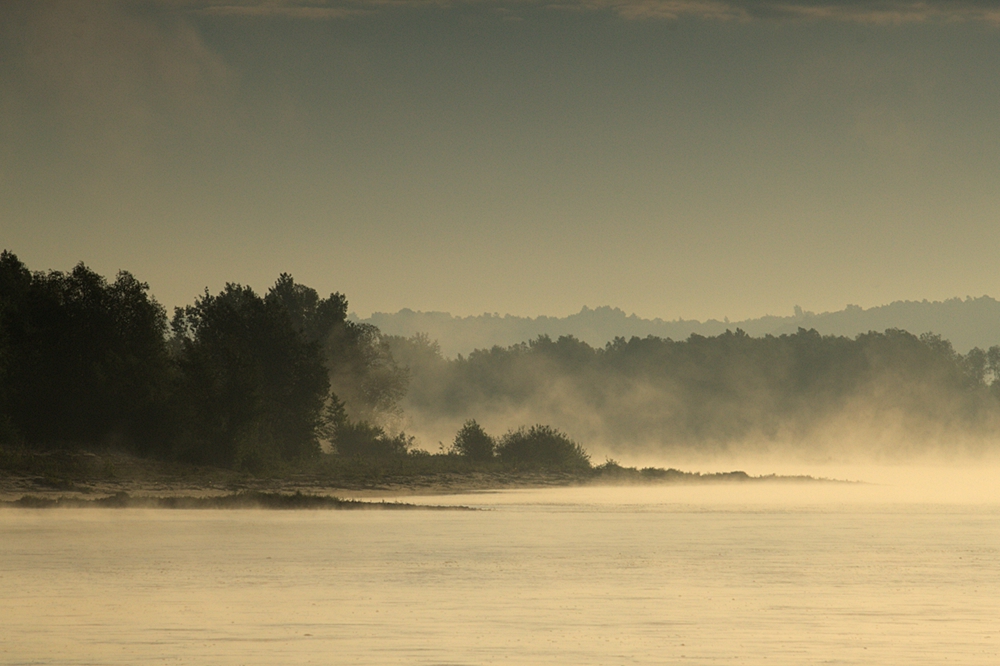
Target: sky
pixel 674 158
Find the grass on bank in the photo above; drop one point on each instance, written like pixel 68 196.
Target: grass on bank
pixel 109 471
pixel 240 500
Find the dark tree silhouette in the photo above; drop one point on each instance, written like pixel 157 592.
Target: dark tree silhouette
pixel 253 381
pixel 473 442
pixel 542 446
pixel 253 387
pixel 360 439
pixel 82 361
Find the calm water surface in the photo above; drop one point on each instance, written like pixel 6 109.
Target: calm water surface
pixel 615 576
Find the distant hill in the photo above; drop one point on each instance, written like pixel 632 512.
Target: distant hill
pixel 968 323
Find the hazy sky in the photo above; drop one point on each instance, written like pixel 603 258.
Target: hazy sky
pixel 675 158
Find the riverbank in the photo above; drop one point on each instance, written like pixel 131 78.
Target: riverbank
pixel 87 475
pixel 240 500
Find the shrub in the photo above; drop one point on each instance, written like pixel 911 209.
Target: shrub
pixel 473 443
pixel 361 439
pixel 542 446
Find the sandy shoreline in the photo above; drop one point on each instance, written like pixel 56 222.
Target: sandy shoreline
pixel 77 475
pixel 15 487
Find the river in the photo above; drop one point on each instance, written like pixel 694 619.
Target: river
pixel 700 575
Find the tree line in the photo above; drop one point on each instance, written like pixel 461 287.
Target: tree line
pixel 237 378
pixel 965 322
pixel 246 380
pixel 713 393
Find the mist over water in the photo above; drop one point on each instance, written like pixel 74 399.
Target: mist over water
pixel 884 398
pixel 694 157
pixel 903 569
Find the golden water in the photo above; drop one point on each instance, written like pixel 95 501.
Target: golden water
pixel 605 576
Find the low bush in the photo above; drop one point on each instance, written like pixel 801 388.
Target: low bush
pixel 542 446
pixel 473 443
pixel 363 440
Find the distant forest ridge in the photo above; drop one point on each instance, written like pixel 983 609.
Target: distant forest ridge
pixel 967 323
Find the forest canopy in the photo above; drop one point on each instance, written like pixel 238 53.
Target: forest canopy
pixel 893 389
pixel 236 379
pixel 249 381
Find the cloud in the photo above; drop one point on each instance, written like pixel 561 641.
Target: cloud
pixel 877 12
pixel 669 9
pixel 289 10
pixel 887 12
pixel 299 9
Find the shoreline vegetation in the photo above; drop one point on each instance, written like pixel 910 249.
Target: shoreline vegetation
pixel 78 479
pixel 102 395
pixel 240 500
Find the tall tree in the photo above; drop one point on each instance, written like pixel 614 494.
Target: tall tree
pixel 254 385
pixel 363 372
pixel 82 360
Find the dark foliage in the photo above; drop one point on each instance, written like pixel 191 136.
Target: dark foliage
pixel 82 360
pixel 256 382
pixel 242 380
pixel 709 391
pixel 362 371
pixel 541 446
pixel 242 500
pixel 473 442
pixel 252 386
pixel 363 440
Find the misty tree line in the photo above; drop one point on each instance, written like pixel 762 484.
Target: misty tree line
pixel 709 392
pixel 246 380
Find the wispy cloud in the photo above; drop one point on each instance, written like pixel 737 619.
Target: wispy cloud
pixel 668 9
pixel 290 11
pixel 872 12
pixel 884 12
pixel 299 9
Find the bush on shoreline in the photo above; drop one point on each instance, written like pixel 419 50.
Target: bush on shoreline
pixel 541 446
